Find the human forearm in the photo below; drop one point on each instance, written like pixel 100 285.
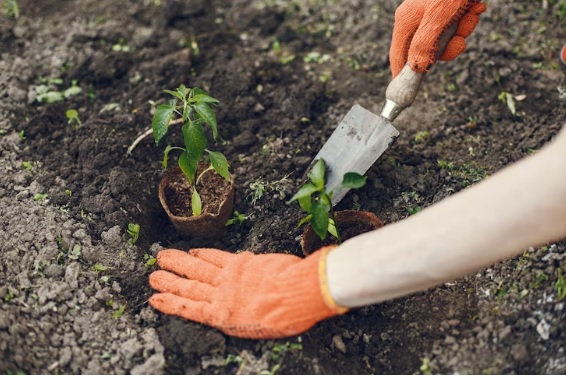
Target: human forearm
pixel 523 205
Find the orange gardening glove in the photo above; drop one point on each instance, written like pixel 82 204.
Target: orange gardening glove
pixel 244 295
pixel 419 24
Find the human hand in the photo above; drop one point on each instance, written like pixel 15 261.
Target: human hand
pixel 244 295
pixel 419 24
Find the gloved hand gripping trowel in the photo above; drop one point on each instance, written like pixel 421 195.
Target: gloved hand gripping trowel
pixel 361 137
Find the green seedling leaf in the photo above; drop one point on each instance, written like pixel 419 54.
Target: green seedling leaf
pixel 50 97
pixel 71 114
pixel 304 220
pixel 305 191
pixel 208 115
pixel 353 180
pixel 12 8
pixel 161 119
pixel 113 106
pixel 198 91
pixel 100 267
pixel 198 98
pixel 72 91
pixel 237 217
pixel 510 103
pixel 188 166
pixel 319 220
pixel 134 233
pixel 40 196
pixel 176 94
pixel 183 90
pixel 27 165
pixel 73 118
pixel 195 140
pixel 196 204
pixel 219 163
pixel 332 228
pixel 150 261
pixel 305 203
pixel 316 175
pixel 119 312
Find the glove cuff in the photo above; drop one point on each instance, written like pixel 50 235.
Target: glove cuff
pixel 323 280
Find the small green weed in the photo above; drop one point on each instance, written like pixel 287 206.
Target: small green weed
pixel 121 46
pixel 100 268
pixel 27 165
pixel 261 187
pixel 9 296
pixel 133 231
pixel 118 312
pixel 421 137
pixel 73 118
pixel 539 279
pixel 278 353
pixel 508 99
pixel 425 366
pixel 149 260
pixel 560 286
pixel 110 107
pixel 40 196
pixel 11 8
pixel 237 217
pixel 414 210
pixel 49 93
pixel 466 172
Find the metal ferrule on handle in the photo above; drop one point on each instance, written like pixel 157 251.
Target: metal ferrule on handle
pixel 403 89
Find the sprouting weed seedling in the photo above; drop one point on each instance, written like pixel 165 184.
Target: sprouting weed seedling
pixel 508 99
pixel 49 93
pixel 73 118
pixel 191 107
pixel 149 260
pixel 317 202
pixel 560 286
pixel 237 217
pixel 100 268
pixel 118 312
pixel 11 8
pixel 134 233
pixel 27 165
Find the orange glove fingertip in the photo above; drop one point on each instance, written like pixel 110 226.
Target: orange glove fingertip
pixel 455 47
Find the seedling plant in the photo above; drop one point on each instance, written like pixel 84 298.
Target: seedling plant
pixel 315 200
pixel 192 108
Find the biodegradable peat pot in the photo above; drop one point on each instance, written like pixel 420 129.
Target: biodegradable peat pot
pixel 350 223
pixel 217 196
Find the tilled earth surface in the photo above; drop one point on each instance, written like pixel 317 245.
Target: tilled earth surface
pixel 73 287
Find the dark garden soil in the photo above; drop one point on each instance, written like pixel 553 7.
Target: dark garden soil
pixel 73 291
pixel 212 189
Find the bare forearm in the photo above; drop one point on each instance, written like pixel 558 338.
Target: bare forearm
pixel 521 206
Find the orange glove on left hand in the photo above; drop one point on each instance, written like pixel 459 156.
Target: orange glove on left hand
pixel 419 24
pixel 244 295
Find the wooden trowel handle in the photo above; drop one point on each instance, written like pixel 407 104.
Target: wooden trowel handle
pixel 403 89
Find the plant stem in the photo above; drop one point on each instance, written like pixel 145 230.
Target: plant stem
pixel 333 217
pixel 202 173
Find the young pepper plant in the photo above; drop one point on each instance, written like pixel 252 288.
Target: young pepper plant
pixel 314 199
pixel 192 108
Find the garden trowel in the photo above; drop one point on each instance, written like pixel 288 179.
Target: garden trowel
pixel 362 136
